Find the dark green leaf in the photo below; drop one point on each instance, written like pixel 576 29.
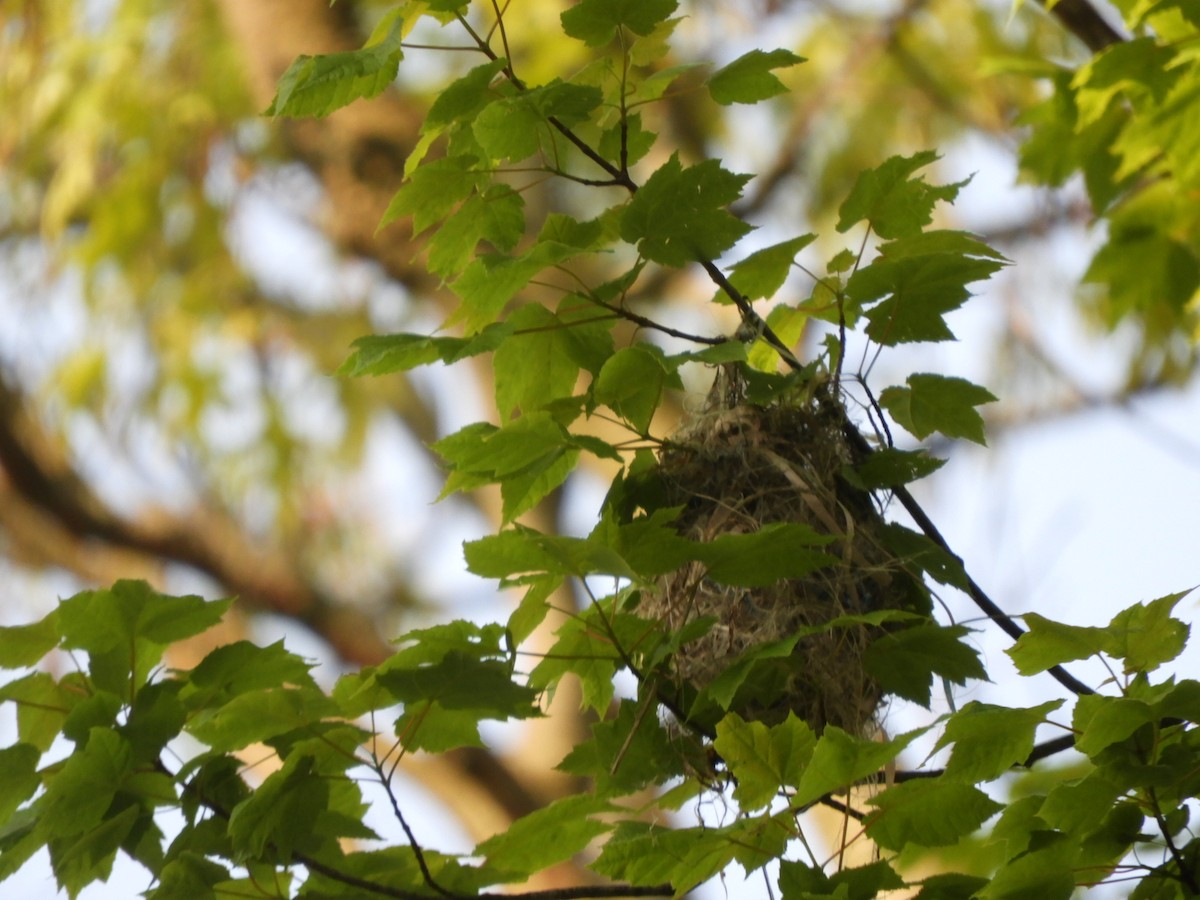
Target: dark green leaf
pixel 904 662
pixel 895 204
pixel 890 467
pixel 88 856
pixel 1048 643
pixel 928 813
pixel 317 85
pixel 462 681
pixel 678 216
pixel 1046 873
pixel 938 403
pixel 492 280
pixel 383 354
pixel 596 22
pixel 776 551
pixel 243 666
pixel 748 79
pixel 950 886
pixel 798 881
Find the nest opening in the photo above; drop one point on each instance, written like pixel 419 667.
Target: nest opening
pixel 740 466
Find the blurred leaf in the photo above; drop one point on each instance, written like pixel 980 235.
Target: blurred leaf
pixel 1101 721
pixel 18 776
pixel 383 354
pixel 776 551
pixel 748 79
pixel 890 467
pixel 596 22
pixel 1048 643
pixel 317 85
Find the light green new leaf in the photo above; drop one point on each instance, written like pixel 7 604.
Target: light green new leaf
pixel 763 272
pixel 258 715
pixel 678 216
pixel 463 98
pixel 763 759
pixel 1048 643
pixel 840 759
pixel 496 216
pixel 938 403
pixel 596 22
pixel 243 666
pixel 544 838
pixel 429 727
pixel 279 815
pixel 512 128
pixel 895 204
pixel 492 280
pixel 79 794
pixel 904 662
pixel 928 813
pixel 627 752
pixel 537 363
pixel 1146 635
pixel 1047 873
pixel 89 857
pixel 383 354
pixel 748 79
pixel 317 85
pixel 24 645
pixel 42 705
pixel 631 384
pixel 990 740
pixel 18 777
pixel 1102 721
pixel 433 190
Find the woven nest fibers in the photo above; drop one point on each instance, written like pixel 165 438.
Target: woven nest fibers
pixel 735 469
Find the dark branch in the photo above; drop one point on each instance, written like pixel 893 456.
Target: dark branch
pixel 1081 19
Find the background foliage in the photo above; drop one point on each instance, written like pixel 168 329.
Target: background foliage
pixel 566 249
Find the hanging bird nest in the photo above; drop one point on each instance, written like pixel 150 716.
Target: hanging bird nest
pixel 738 467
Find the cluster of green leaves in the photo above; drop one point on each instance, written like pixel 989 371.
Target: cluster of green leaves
pixel 103 750
pixel 1125 120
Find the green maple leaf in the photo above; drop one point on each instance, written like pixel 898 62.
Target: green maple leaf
pixel 596 22
pixel 678 215
pixel 748 78
pixel 938 403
